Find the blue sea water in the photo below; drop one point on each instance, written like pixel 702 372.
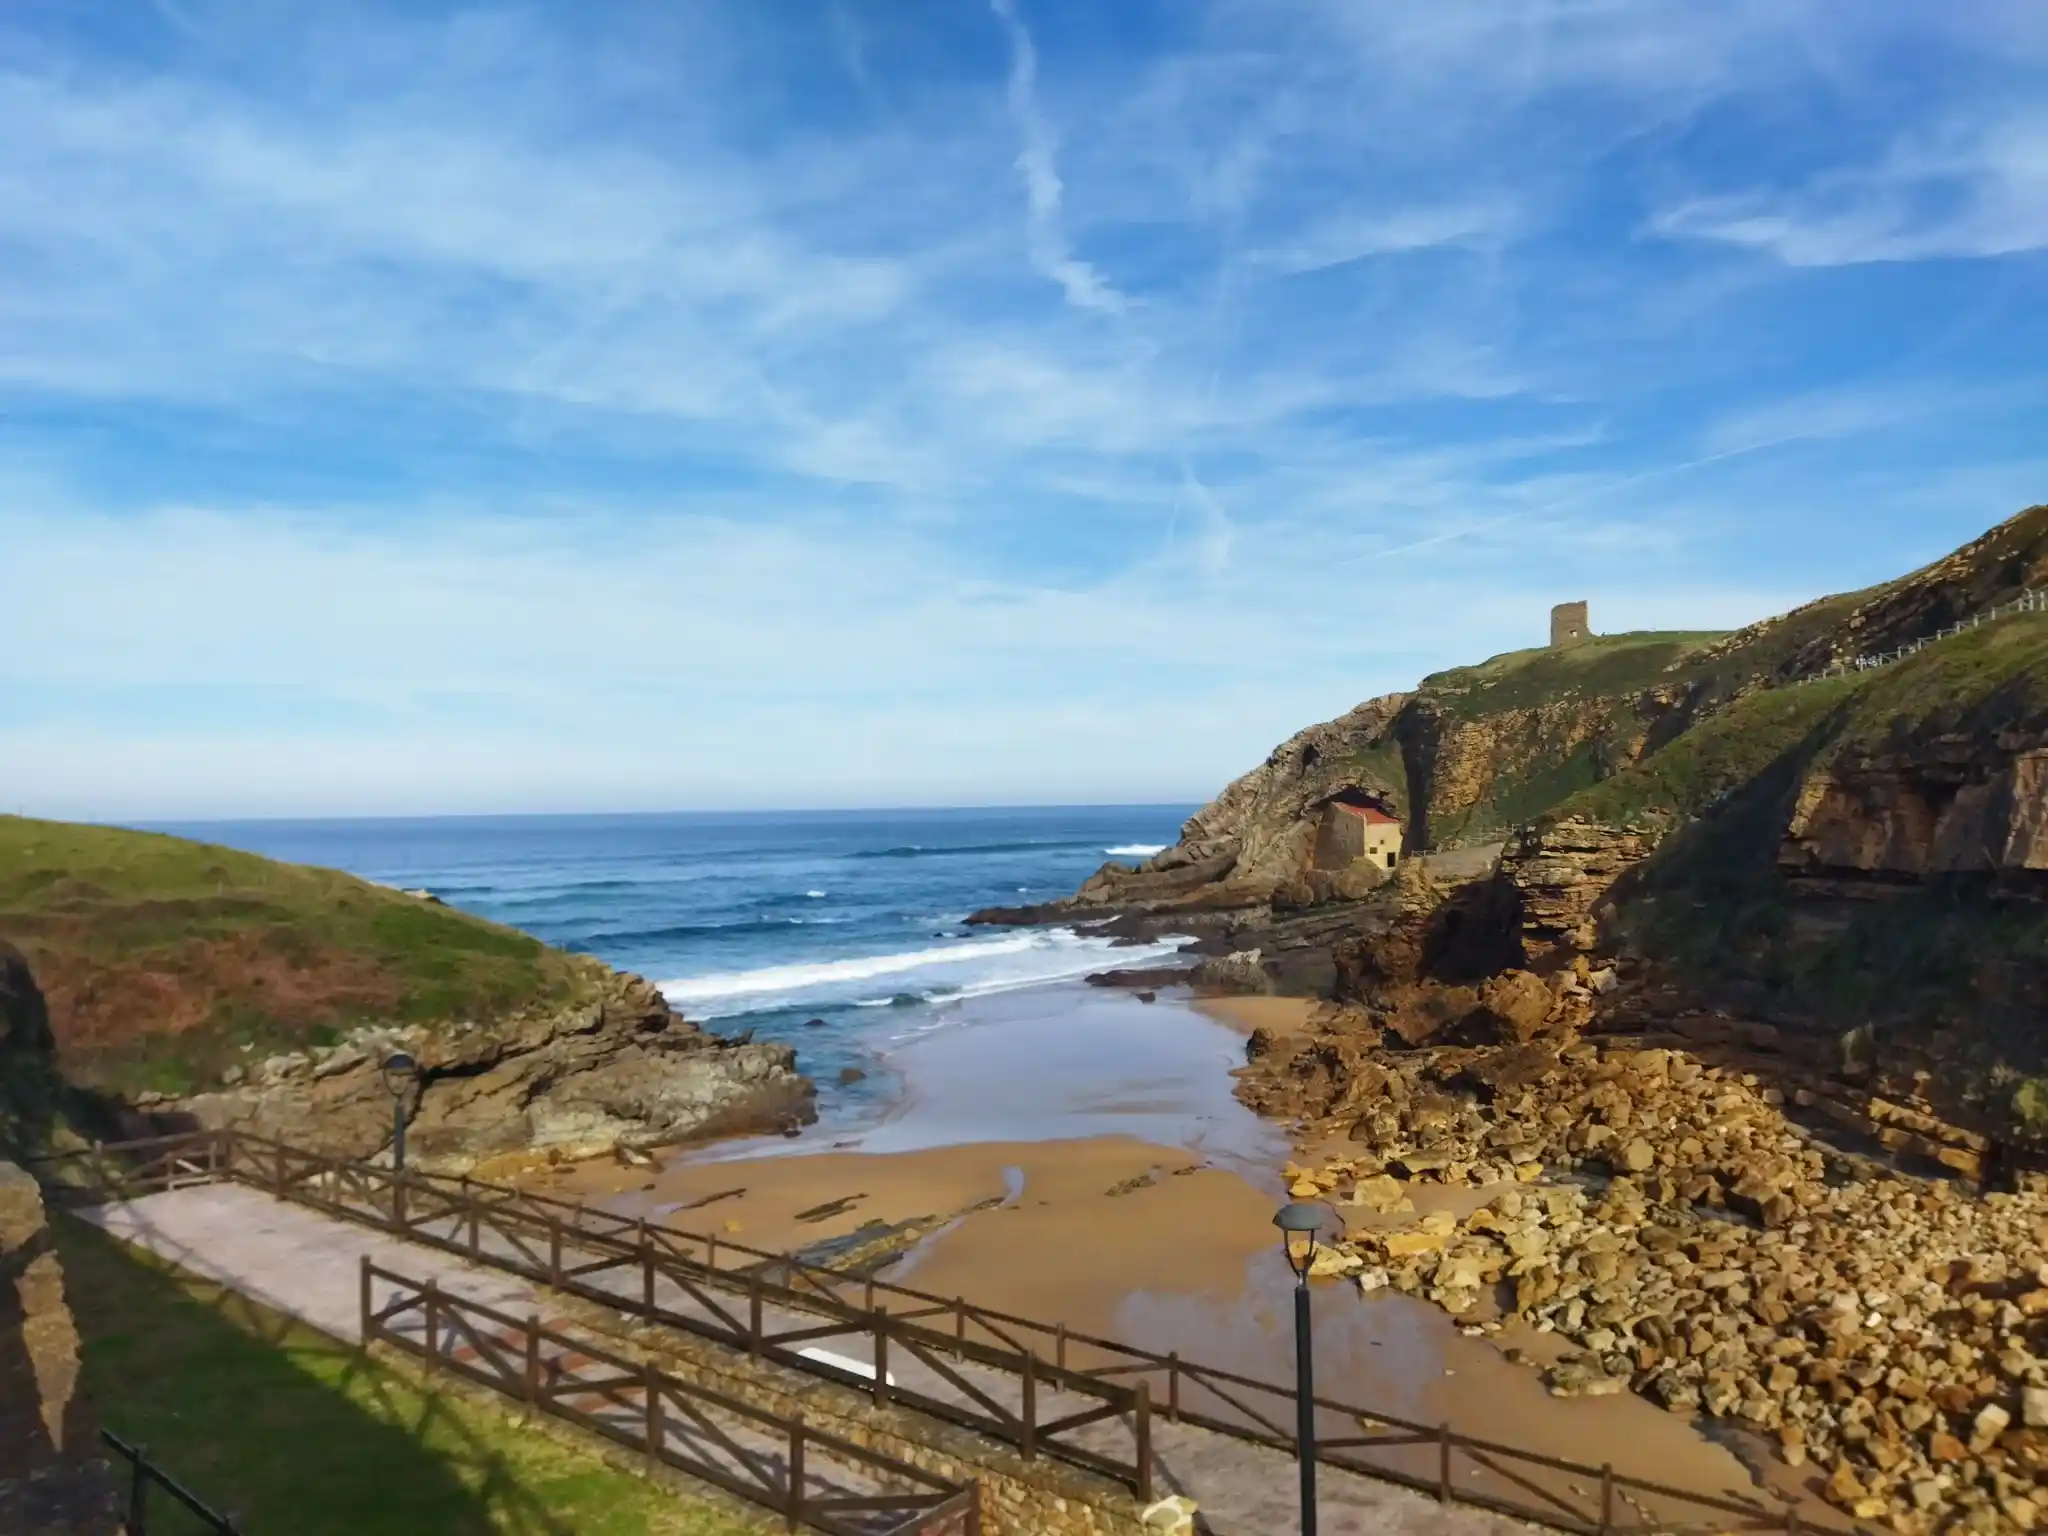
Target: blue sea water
pixel 766 920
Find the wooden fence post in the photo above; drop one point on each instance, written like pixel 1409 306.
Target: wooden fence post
pixel 650 1385
pixel 470 1206
pixel 1443 1463
pixel 646 1270
pixel 754 1314
pixel 1059 1345
pixel 533 1362
pixel 1173 1387
pixel 959 1326
pixel 1606 1497
pixel 1029 1444
pixel 277 1173
pixel 1141 1426
pixel 881 1356
pixel 433 1314
pixel 794 1514
pixel 369 1311
pixel 554 1250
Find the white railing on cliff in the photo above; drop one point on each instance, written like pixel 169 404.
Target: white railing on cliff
pixel 2033 600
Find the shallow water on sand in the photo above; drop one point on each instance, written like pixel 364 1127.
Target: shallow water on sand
pixel 1058 1063
pixel 1053 1101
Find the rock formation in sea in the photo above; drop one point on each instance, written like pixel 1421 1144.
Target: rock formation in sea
pixel 618 1067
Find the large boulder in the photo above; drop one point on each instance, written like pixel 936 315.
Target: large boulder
pixel 1514 1008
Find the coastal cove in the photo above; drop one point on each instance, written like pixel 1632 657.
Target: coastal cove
pixel 1064 1152
pixel 1076 1156
pixel 839 933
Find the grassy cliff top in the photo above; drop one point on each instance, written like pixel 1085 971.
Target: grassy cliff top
pixel 1602 666
pixel 1978 683
pixel 160 957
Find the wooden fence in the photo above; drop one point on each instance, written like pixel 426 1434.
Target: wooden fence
pixel 143 1475
pixel 766 1458
pixel 571 1248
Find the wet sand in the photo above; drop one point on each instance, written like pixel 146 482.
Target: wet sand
pixel 1187 1260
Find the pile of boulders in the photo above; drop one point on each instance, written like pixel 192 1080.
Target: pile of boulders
pixel 1691 1243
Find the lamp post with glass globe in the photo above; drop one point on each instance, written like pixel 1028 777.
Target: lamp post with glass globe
pixel 1299 1222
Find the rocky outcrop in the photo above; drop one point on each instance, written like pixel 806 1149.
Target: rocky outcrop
pixel 620 1067
pixel 1557 878
pixel 1889 1331
pixel 1954 805
pixel 52 1477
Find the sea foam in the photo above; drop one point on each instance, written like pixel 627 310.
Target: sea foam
pixel 971 968
pixel 1135 850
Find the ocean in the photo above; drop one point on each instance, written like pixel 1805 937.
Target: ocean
pixel 768 920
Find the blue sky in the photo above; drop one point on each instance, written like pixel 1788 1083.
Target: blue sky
pixel 607 406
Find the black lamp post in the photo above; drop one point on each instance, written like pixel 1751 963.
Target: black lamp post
pixel 400 1072
pixel 1299 1222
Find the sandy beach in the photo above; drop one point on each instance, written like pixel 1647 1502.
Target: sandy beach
pixel 1121 1190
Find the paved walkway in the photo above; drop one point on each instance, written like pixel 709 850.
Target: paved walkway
pixel 308 1266
pixel 305 1263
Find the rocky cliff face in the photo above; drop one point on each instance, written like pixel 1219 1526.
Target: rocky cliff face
pixel 618 1067
pixel 1951 805
pixel 52 1477
pixel 1476 752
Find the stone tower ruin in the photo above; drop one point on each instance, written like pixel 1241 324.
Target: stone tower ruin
pixel 1568 626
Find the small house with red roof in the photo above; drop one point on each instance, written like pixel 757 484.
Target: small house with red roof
pixel 1355 824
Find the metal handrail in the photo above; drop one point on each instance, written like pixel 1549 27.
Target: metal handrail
pixel 143 1474
pixel 2033 600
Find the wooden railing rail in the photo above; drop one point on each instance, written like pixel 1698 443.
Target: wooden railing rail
pixel 634 1404
pixel 731 1282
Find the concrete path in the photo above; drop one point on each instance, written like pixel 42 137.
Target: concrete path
pixel 309 1267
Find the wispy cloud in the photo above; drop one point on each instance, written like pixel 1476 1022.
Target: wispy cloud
pixel 800 405
pixel 1973 191
pixel 1084 287
pixel 1335 240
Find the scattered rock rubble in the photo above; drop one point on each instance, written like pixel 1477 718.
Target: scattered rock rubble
pixel 1695 1245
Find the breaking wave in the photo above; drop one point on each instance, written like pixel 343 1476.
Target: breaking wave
pixel 1135 850
pixel 954 850
pixel 970 968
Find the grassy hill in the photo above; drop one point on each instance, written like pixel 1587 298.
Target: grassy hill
pixel 160 958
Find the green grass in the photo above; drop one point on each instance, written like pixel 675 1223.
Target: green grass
pixel 1606 666
pixel 295 1432
pixel 1982 680
pixel 161 958
pixel 1716 757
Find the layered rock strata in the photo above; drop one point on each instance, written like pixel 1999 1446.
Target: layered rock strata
pixel 620 1067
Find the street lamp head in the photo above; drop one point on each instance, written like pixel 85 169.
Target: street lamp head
pixel 1299 1222
pixel 400 1071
